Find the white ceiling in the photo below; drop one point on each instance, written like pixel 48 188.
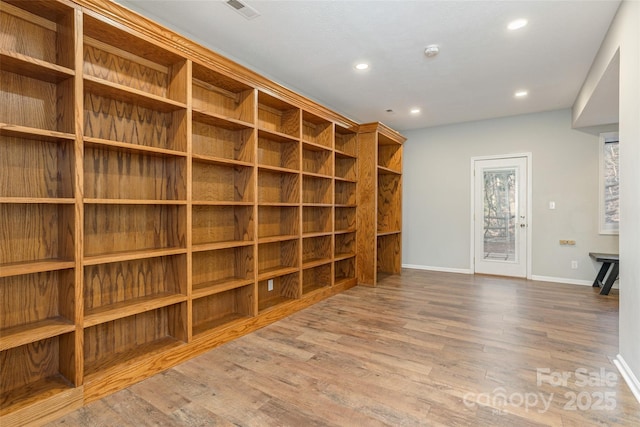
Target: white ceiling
pixel 312 46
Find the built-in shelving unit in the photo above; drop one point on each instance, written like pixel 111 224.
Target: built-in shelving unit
pixel 156 200
pixel 379 202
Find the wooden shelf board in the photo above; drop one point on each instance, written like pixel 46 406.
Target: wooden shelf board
pixel 132 255
pixel 28 66
pixel 317 205
pixel 277 136
pixel 129 308
pixel 273 302
pixel 134 202
pixel 317 175
pixel 20 268
pixel 280 238
pixel 12 401
pixel 220 203
pixel 123 93
pixel 221 245
pixel 346 205
pixel 339 178
pixel 35 331
pixel 386 171
pixel 218 120
pixel 345 155
pixel 220 161
pixel 340 256
pixel 277 169
pixel 38 200
pixel 314 146
pixel 316 234
pixel 27 132
pixel 316 262
pixel 216 286
pixel 388 233
pixel 345 231
pixel 272 272
pixel 339 281
pixel 312 287
pixel 214 324
pixel 135 148
pixel 278 204
pixel 115 361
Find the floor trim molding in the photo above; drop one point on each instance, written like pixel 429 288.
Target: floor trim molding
pixel 441 269
pixel 628 375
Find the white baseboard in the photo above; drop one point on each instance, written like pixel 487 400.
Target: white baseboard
pixel 628 375
pixel 567 280
pixel 441 269
pixel 562 280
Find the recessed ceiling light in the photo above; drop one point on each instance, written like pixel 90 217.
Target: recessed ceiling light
pixel 362 66
pixel 517 24
pixel 521 94
pixel 414 111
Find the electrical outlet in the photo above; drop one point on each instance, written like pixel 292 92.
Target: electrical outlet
pixel 574 265
pixel 270 284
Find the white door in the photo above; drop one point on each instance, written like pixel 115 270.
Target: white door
pixel 500 216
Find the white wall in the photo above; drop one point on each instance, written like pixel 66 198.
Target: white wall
pixel 436 211
pixel 624 36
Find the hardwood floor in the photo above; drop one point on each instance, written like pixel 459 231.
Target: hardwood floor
pixel 423 348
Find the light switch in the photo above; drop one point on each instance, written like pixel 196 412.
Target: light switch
pixel 552 205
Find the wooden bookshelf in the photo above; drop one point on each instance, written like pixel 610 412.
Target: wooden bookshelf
pixel 157 200
pixel 379 201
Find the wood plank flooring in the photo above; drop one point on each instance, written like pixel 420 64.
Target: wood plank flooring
pixel 422 349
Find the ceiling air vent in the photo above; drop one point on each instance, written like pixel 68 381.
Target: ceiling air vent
pixel 243 9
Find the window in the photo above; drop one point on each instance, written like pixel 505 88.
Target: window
pixel 609 183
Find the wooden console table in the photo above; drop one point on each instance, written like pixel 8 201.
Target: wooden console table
pixel 610 264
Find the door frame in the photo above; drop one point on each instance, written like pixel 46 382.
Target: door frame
pixel 529 159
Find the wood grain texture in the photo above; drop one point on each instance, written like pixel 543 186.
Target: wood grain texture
pixel 316 278
pixel 109 229
pixel 346 193
pixel 36 232
pixel 121 121
pixel 213 182
pixel 346 218
pixel 317 130
pixel 213 270
pixel 107 285
pixel 278 221
pixel 389 203
pixel 316 219
pixel 281 153
pixel 276 255
pixel 215 94
pixel 316 160
pixel 405 353
pixel 346 167
pixel 278 116
pixel 36 169
pixel 120 174
pixel 275 187
pixel 345 243
pixel 346 141
pixel 316 249
pixel 212 224
pixel 345 270
pixel 367 199
pixel 228 142
pixel 317 190
pixel 216 310
pixel 388 253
